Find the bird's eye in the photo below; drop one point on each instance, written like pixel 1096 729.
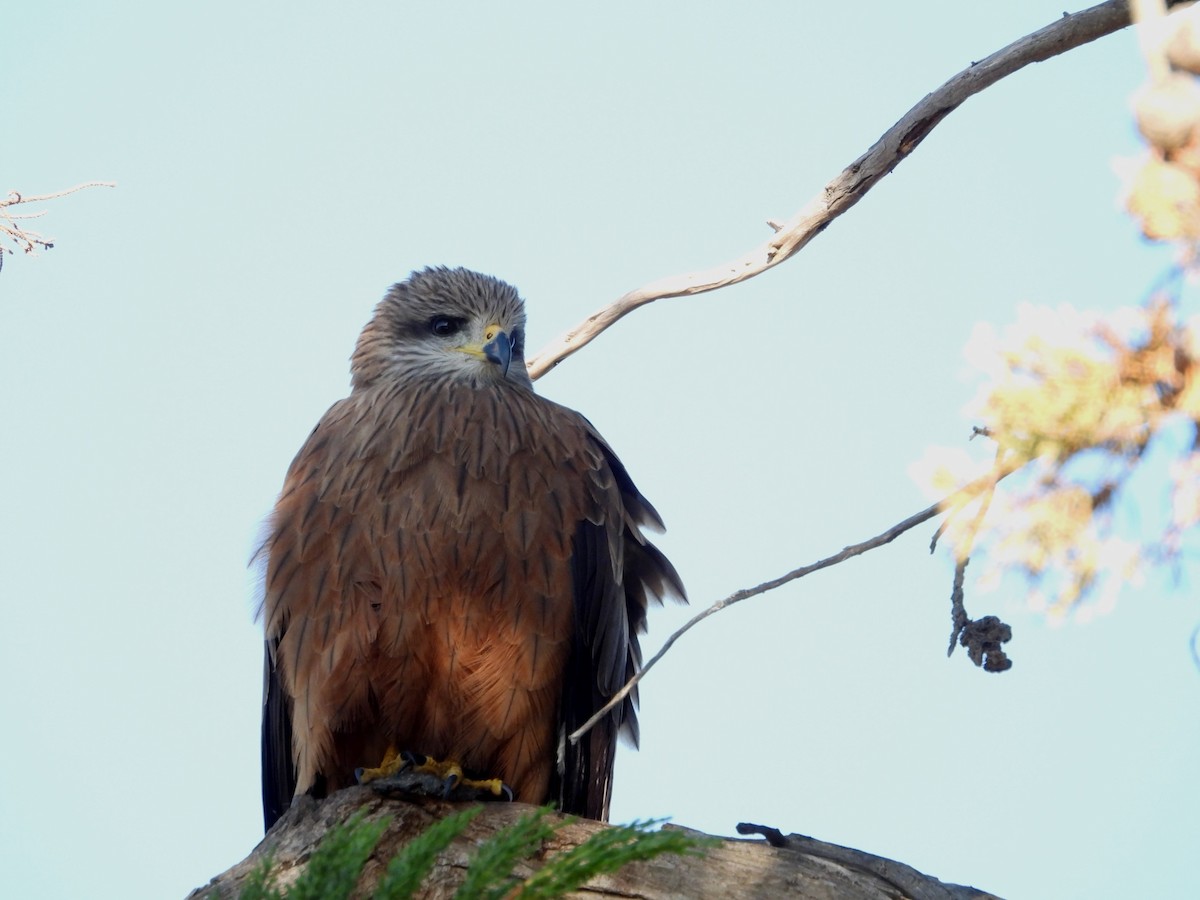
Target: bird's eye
pixel 444 326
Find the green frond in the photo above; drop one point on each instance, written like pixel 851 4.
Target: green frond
pixel 259 884
pixel 410 866
pixel 607 851
pixel 337 863
pixel 489 877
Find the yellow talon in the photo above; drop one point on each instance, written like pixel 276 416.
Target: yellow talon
pixel 443 770
pixel 495 786
pixel 392 763
pixel 448 772
pixel 451 774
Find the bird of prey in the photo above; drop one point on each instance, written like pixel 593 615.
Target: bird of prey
pixel 455 566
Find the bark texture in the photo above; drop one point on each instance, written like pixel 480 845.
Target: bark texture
pixel 736 868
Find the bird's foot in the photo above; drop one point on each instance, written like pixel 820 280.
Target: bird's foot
pixel 447 774
pixel 393 764
pixel 453 780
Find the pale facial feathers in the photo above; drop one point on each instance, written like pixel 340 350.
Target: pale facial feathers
pixel 435 324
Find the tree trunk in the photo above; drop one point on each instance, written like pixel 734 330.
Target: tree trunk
pixel 798 867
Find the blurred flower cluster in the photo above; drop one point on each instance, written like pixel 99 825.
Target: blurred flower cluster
pixel 1162 188
pixel 1093 418
pixel 1072 402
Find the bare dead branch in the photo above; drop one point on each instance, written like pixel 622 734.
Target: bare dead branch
pixel 32 215
pixel 28 240
pixel 1072 30
pixel 15 197
pixel 963 495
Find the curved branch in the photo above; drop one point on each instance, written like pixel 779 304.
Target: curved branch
pixel 15 197
pixel 1072 30
pixel 965 494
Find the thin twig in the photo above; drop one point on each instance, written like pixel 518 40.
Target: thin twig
pixel 962 495
pixel 976 431
pixel 1066 33
pixel 958 608
pixel 15 197
pixel 22 237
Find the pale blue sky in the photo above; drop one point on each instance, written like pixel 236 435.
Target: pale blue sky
pixel 280 164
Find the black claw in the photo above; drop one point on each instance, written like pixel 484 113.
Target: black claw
pixel 413 759
pixel 449 785
pixel 508 793
pixel 358 774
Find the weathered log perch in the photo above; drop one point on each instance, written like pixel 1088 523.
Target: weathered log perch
pixel 735 868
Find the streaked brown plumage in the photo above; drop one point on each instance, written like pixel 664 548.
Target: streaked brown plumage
pixel 455 566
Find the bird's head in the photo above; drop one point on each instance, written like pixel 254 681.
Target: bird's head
pixel 445 323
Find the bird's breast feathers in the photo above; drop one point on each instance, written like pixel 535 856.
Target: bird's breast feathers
pixel 433 487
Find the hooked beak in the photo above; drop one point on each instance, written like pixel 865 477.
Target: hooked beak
pixel 496 348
